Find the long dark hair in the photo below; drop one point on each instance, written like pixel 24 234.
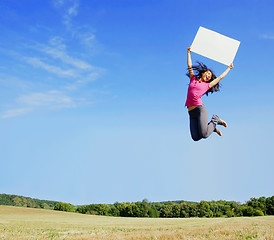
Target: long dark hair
pixel 201 68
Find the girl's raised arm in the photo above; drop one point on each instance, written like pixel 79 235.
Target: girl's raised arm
pixel 216 80
pixel 189 63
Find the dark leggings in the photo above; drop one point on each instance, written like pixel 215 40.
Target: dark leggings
pixel 199 127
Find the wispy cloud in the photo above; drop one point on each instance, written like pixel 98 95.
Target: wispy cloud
pixel 268 36
pixel 58 3
pixel 49 100
pixel 78 73
pixel 53 98
pixel 85 80
pixel 60 54
pixel 51 68
pixel 15 112
pixel 78 70
pixel 73 10
pixel 64 64
pixel 70 10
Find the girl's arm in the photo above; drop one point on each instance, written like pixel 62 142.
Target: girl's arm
pixel 216 80
pixel 189 63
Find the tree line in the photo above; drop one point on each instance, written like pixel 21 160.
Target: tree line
pixel 20 201
pixel 178 209
pixel 181 209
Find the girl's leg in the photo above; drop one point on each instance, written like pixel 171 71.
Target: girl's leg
pixel 206 128
pixel 199 125
pixel 194 128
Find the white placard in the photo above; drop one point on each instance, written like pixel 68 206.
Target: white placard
pixel 215 46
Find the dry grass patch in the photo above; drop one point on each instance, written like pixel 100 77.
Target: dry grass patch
pixel 26 223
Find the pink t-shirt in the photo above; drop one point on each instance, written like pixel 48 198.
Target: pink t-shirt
pixel 196 90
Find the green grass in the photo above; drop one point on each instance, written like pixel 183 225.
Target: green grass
pixel 27 223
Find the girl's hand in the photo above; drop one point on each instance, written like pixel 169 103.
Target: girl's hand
pixel 189 49
pixel 231 66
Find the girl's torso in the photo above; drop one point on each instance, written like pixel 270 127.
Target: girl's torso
pixel 196 90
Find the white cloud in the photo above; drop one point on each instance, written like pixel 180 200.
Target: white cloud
pixel 53 99
pixel 51 68
pixel 69 8
pixel 58 42
pixel 268 36
pixel 56 58
pixel 58 3
pixel 89 37
pixel 73 11
pixel 85 80
pixel 81 71
pixel 50 100
pixel 60 54
pixel 15 112
pixel 90 77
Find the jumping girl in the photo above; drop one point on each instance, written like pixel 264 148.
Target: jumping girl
pixel 202 82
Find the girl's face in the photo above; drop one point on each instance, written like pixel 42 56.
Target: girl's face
pixel 206 76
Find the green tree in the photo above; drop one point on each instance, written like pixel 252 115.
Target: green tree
pixel 258 212
pixel 63 207
pixel 250 211
pixel 153 212
pixel 114 211
pixel 45 206
pixel 122 208
pixel 184 213
pixel 270 205
pixel 204 209
pixel 166 211
pixel 243 210
pixel 140 209
pixel 102 209
pixel 193 210
pixel 16 201
pixel 176 210
pixel 214 207
pixel 229 213
pixel 258 204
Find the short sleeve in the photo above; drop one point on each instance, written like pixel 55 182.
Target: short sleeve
pixel 193 78
pixel 208 87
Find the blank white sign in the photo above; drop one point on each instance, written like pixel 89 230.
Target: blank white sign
pixel 215 46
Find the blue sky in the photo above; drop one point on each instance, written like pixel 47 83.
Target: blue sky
pixel 92 101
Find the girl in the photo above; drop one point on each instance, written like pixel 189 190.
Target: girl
pixel 204 81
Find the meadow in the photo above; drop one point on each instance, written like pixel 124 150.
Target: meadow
pixel 29 223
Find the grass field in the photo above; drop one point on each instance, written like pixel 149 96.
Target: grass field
pixel 27 223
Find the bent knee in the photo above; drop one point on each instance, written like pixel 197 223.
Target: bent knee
pixel 204 134
pixel 195 138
